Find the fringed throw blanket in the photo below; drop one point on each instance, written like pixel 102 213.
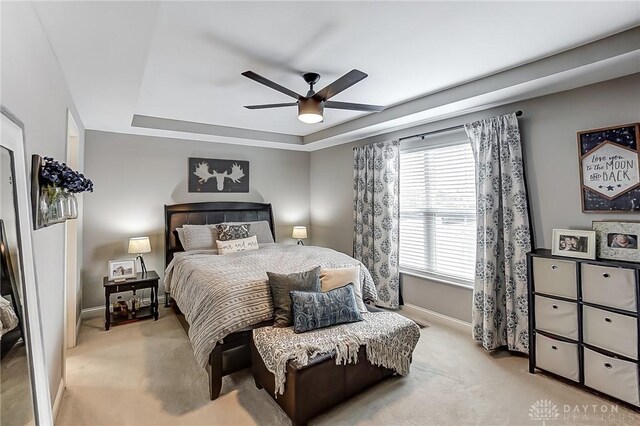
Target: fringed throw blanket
pixel 220 295
pixel 389 338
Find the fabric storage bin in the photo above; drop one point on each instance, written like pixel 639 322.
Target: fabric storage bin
pixel 555 277
pixel 608 286
pixel 608 330
pixel 557 316
pixel 557 357
pixel 612 376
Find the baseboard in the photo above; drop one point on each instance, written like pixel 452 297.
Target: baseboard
pixel 422 315
pixel 98 311
pixel 58 399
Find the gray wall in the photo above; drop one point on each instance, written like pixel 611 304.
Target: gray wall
pixel 34 90
pixel 135 176
pixel 548 128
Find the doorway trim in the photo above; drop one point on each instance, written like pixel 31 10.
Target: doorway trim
pixel 72 286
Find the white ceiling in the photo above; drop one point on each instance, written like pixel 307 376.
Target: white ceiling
pixel 182 60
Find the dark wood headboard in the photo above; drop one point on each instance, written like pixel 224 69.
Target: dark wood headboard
pixel 176 215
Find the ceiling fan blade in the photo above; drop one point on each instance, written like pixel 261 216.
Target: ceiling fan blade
pixel 353 107
pixel 343 83
pixel 275 86
pixel 264 106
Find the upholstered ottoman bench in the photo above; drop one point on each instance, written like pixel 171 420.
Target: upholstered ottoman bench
pixel 308 373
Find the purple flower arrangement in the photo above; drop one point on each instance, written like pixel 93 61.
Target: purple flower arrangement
pixel 60 175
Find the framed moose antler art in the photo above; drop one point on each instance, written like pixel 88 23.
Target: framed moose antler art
pixel 212 175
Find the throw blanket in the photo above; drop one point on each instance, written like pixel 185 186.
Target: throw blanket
pixel 222 294
pixel 390 340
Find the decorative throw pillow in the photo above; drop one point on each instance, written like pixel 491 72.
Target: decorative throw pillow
pixel 201 237
pixel 234 246
pixel 331 278
pixel 233 232
pixel 260 229
pixel 282 284
pixel 319 310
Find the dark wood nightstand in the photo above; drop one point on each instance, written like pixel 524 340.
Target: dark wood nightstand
pixel 142 281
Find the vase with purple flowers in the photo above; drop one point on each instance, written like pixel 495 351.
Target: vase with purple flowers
pixel 52 205
pixel 60 183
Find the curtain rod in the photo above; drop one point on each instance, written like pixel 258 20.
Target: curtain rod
pixel 448 129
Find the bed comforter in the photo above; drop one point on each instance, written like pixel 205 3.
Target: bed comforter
pixel 223 294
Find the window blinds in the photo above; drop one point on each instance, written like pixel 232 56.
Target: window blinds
pixel 438 211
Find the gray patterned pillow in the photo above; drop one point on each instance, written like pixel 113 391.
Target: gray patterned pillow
pixel 233 232
pixel 260 229
pixel 282 284
pixel 319 310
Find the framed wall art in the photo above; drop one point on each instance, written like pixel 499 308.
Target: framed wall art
pixel 609 175
pixel 212 175
pixel 618 240
pixel 574 243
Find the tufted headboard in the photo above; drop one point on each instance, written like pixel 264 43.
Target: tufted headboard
pixel 176 215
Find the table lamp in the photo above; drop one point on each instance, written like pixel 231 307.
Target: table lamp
pixel 300 233
pixel 139 245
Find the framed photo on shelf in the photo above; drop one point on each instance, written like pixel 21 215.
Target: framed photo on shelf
pixel 617 240
pixel 574 243
pixel 609 169
pixel 120 270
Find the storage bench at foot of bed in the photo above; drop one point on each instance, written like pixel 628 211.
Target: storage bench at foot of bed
pixel 318 386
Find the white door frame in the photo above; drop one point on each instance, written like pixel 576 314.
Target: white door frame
pixel 71 269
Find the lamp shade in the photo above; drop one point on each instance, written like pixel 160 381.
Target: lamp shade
pixel 310 110
pixel 299 232
pixel 139 245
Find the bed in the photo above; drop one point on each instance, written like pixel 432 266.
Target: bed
pixel 220 299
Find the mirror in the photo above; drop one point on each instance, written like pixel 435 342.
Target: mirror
pixel 24 390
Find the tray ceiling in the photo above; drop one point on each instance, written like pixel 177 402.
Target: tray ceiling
pixel 182 60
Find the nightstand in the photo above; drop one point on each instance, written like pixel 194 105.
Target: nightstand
pixel 140 282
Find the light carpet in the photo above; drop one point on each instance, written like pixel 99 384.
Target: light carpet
pixel 145 373
pixel 16 404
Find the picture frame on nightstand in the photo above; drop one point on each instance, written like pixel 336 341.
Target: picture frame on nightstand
pixel 120 270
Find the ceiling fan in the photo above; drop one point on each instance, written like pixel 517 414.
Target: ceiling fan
pixel 311 106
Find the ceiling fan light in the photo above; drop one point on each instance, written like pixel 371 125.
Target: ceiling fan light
pixel 310 110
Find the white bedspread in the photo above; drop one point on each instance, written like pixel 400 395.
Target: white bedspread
pixel 222 294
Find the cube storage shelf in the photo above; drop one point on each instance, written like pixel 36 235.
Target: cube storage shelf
pixel 584 323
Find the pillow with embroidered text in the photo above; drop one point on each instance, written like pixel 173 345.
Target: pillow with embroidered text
pixel 234 246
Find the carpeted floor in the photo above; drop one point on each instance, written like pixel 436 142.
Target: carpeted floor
pixel 145 373
pixel 16 405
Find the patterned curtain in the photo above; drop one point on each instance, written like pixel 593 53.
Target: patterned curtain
pixel 500 301
pixel 376 214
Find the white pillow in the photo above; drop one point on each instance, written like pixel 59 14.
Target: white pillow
pixel 199 237
pixel 260 229
pixel 234 246
pixel 339 277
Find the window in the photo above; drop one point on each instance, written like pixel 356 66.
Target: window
pixel 438 211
